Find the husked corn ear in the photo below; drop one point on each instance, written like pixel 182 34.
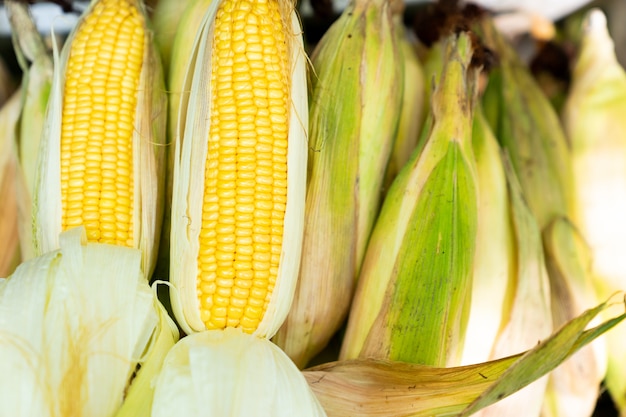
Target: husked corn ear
pixel 102 150
pixel 237 227
pixel 357 72
pixel 593 117
pixel 256 378
pixel 412 297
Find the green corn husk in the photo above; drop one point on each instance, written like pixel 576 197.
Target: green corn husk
pixel 494 260
pixel 413 294
pixel 147 144
pixel 530 132
pixel 366 387
pixel 231 373
pixel 528 128
pixel 181 52
pixel 77 323
pixel 350 141
pixel 527 317
pixel 35 61
pixel 168 19
pixel 593 117
pixel 412 112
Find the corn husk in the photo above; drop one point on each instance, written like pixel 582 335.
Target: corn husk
pixel 527 317
pixel 181 57
pixel 168 18
pixel 412 112
pixel 366 387
pixel 35 61
pixel 231 373
pixel 412 299
pixel 530 132
pixel 76 323
pixel 494 262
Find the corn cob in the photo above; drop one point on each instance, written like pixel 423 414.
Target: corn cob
pixel 494 261
pixel 412 298
pixel 349 147
pixel 256 378
pixel 593 117
pixel 530 132
pixel 76 324
pixel 237 227
pixel 102 146
pixel 10 255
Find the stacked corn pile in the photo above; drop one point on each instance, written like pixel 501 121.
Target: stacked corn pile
pixel 202 219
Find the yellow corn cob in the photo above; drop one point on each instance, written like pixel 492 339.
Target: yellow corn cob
pixel 102 144
pixel 237 226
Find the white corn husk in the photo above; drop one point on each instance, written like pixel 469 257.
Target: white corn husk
pixel 231 373
pixel 75 323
